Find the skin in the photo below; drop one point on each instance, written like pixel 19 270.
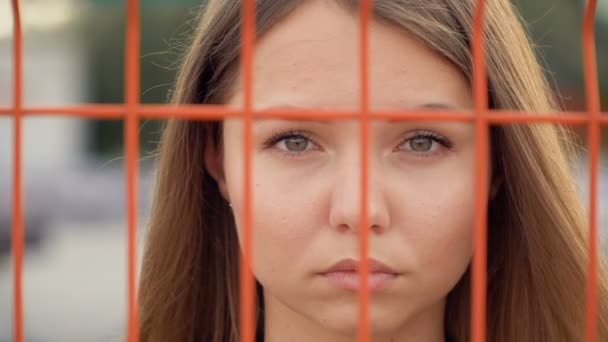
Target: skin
pixel 306 191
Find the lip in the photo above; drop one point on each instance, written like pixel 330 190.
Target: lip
pixel 345 274
pixel 352 265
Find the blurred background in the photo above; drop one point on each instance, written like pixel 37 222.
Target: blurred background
pixel 74 278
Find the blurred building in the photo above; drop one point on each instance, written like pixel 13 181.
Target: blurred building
pixel 54 73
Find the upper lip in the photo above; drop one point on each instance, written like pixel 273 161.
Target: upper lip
pixel 352 265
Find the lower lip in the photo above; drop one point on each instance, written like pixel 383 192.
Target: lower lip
pixel 352 280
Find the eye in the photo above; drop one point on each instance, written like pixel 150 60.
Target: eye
pixel 295 143
pixel 290 142
pixel 425 143
pixel 421 144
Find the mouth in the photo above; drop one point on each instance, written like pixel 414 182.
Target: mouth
pixel 345 275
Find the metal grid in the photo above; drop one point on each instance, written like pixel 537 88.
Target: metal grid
pixel 132 111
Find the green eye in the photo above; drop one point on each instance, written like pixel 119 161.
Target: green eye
pixel 421 144
pixel 425 143
pixel 292 143
pixel 296 144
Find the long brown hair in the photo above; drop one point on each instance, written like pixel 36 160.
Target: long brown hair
pixel 537 228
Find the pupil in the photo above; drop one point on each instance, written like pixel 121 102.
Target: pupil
pixel 421 144
pixel 296 144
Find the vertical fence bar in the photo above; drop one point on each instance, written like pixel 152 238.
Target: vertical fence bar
pixel 592 94
pixel 364 11
pixel 131 132
pixel 132 89
pixel 18 220
pixel 247 285
pixel 480 92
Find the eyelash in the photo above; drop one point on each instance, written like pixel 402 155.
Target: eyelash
pixel 435 137
pixel 278 137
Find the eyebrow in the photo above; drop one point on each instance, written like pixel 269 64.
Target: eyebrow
pixel 429 105
pixel 432 105
pixel 437 105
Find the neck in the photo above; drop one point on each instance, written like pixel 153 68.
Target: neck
pixel 281 323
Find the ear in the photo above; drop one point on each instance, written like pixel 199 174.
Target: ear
pixel 496 184
pixel 213 158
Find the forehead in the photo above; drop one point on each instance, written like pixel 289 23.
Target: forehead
pixel 312 59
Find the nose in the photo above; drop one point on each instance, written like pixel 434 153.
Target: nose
pixel 345 205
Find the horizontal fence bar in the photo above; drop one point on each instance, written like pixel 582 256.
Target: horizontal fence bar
pixel 218 112
pixel 92 111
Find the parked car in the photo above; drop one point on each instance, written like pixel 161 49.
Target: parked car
pixel 91 191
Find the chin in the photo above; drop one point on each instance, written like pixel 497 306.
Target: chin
pixel 349 326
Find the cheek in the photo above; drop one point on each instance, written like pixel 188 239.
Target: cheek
pixel 450 219
pixel 283 222
pixel 440 233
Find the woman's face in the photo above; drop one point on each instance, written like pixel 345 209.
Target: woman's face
pixel 306 174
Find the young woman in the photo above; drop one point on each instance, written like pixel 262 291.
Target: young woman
pixel 306 184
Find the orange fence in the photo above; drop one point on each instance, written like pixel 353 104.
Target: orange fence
pixel 132 111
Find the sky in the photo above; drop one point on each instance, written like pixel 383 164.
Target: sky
pixel 37 15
